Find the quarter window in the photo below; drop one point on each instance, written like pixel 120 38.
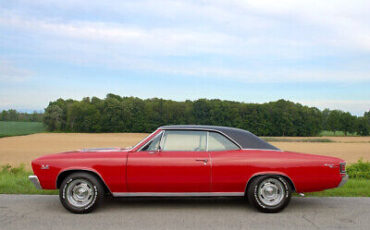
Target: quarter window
pixel 153 145
pixel 184 140
pixel 218 142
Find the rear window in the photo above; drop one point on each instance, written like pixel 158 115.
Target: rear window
pixel 218 142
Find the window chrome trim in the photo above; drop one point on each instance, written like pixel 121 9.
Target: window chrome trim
pixel 160 133
pixel 225 136
pixel 176 194
pixel 207 141
pixel 162 139
pixel 143 140
pixel 212 130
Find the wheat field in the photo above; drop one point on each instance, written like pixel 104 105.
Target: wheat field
pixel 23 149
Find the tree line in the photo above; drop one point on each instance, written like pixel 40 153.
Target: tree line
pixel 14 115
pixel 131 114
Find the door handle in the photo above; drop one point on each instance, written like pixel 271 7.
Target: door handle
pixel 204 161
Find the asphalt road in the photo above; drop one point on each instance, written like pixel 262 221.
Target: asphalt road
pixel 22 212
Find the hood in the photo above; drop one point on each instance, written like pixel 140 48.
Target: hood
pixel 91 152
pixel 113 149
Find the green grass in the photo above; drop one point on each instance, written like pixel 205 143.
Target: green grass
pixel 279 139
pixel 353 188
pixel 15 181
pixel 18 128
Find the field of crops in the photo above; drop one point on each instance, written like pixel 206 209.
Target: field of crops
pixel 16 150
pixel 16 128
pixel 23 149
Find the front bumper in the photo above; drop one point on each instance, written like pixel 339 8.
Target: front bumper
pixel 35 180
pixel 343 181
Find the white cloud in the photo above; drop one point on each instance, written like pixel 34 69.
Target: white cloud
pixel 161 40
pixel 226 39
pixel 11 73
pixel 343 22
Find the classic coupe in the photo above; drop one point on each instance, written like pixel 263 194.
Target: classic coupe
pixel 187 161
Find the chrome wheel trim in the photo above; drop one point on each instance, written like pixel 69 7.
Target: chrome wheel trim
pixel 80 193
pixel 271 192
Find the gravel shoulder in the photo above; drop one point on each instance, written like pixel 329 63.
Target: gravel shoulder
pixel 20 212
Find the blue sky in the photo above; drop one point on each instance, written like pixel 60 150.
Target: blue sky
pixel 313 52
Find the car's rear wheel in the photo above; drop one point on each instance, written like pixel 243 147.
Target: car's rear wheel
pixel 81 192
pixel 269 193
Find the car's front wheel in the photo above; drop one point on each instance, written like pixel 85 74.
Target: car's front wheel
pixel 269 193
pixel 81 192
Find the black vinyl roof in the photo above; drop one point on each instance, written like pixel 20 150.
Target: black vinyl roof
pixel 245 139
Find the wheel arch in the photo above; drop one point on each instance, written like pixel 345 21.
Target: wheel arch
pixel 290 181
pixel 63 174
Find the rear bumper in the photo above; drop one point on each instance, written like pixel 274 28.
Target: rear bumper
pixel 35 180
pixel 343 181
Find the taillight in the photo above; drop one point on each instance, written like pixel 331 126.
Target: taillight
pixel 342 167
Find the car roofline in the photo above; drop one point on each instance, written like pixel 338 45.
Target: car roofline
pixel 218 129
pixel 202 129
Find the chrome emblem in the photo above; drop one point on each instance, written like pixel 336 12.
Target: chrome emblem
pixel 44 166
pixel 329 165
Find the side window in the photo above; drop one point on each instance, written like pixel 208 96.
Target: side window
pixel 184 140
pixel 218 142
pixel 153 145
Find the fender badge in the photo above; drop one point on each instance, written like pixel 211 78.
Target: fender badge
pixel 44 166
pixel 329 165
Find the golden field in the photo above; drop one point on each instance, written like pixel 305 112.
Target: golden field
pixel 23 149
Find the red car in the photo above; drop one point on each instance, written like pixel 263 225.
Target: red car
pixel 188 161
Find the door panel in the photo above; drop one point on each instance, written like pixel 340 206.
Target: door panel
pixel 169 171
pixel 231 170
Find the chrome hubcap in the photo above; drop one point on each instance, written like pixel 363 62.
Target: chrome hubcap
pixel 271 192
pixel 80 193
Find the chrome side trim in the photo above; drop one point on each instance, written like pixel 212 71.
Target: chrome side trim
pixel 343 181
pixel 277 150
pixel 176 194
pixel 35 180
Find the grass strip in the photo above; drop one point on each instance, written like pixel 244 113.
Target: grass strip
pixel 353 188
pixel 15 181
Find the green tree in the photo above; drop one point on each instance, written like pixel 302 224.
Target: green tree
pixel 131 114
pixel 53 117
pixel 363 124
pixel 347 123
pixel 333 122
